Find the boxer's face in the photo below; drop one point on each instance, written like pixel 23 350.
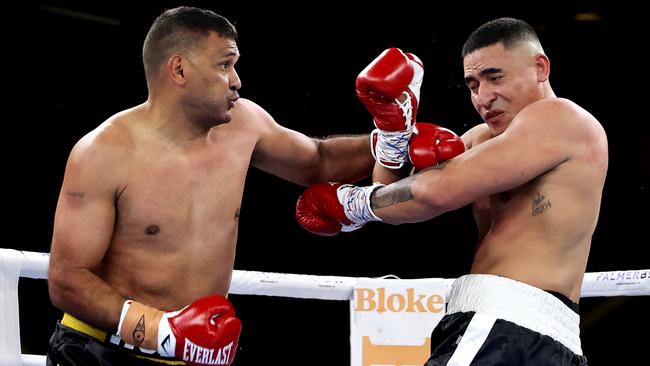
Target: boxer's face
pixel 502 81
pixel 212 81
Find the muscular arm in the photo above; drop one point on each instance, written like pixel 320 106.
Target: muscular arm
pixel 293 156
pixel 83 227
pixel 535 142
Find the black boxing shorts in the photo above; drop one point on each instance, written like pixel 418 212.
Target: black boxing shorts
pixel 494 320
pixel 77 343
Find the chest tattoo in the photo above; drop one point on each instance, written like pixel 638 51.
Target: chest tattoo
pixel 540 204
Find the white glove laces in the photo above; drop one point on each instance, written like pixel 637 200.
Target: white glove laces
pixel 407 110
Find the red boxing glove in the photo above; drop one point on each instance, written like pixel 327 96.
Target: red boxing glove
pixel 389 87
pixel 206 332
pixel 329 208
pixel 432 144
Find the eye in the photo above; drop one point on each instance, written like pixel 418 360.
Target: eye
pixel 496 78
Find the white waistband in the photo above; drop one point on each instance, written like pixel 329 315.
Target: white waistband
pixel 519 303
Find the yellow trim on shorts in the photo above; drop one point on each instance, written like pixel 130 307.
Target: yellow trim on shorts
pixel 87 329
pixel 80 326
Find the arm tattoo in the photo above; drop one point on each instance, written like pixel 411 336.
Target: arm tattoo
pixel 399 191
pixel 138 332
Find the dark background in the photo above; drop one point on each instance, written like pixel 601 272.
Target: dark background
pixel 83 64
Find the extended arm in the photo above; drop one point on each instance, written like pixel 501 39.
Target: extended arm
pixel 300 159
pixel 497 165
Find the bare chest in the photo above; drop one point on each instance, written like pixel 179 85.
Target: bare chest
pixel 528 201
pixel 183 194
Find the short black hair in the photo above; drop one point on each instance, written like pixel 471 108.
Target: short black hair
pixel 182 29
pixel 506 31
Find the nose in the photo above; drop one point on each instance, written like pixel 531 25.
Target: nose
pixel 235 82
pixel 485 96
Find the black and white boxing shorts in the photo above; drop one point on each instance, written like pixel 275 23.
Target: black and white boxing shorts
pixel 493 320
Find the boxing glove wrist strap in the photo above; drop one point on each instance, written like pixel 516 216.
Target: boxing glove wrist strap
pixel 392 148
pixel 356 204
pixel 166 338
pixel 139 325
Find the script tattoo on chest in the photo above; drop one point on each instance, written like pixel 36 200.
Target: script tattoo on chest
pixel 540 204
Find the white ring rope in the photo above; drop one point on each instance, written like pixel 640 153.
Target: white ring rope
pixel 595 284
pixel 14 264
